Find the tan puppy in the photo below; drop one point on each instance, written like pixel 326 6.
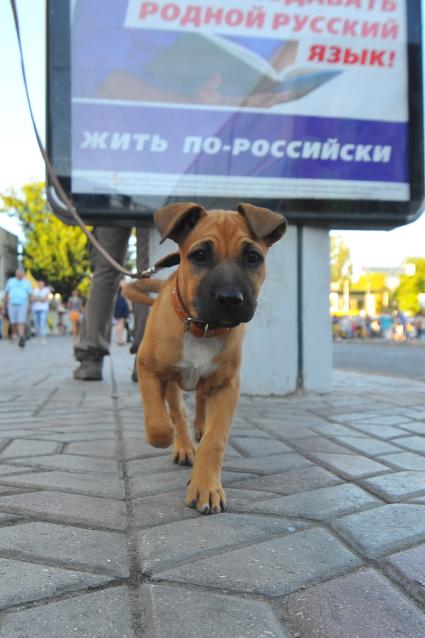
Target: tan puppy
pixel 194 334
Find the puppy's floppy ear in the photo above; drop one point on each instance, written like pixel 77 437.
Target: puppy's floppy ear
pixel 264 224
pixel 175 221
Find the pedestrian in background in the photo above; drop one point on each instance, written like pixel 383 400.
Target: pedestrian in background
pixel 121 313
pixel 75 309
pixel 17 298
pixel 40 309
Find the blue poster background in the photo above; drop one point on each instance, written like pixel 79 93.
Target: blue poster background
pixel 101 46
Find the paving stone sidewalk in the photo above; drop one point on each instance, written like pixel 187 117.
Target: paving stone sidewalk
pixel 324 536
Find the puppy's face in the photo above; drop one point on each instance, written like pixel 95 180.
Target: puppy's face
pixel 222 260
pixel 222 269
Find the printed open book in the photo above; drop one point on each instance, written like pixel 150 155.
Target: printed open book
pixel 194 58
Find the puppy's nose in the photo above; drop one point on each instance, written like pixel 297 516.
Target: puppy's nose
pixel 229 298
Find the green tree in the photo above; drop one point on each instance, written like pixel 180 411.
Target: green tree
pixel 341 267
pixel 53 251
pixel 410 286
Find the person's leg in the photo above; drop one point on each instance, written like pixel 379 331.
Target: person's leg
pixel 21 316
pixel 119 331
pixel 95 327
pixel 140 312
pixel 13 320
pixel 77 327
pixel 43 325
pixel 37 321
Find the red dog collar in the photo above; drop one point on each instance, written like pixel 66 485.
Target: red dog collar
pixel 195 327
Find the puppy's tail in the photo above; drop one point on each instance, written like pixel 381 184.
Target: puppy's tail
pixel 137 291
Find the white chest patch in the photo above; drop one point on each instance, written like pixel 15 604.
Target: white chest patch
pixel 197 359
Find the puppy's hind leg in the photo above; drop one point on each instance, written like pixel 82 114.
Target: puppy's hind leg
pixel 183 448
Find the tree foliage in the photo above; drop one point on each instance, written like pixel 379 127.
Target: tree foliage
pixel 410 287
pixel 341 267
pixel 53 251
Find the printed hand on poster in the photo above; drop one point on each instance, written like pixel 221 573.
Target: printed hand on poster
pixel 200 69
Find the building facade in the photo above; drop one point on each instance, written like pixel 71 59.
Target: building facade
pixel 8 255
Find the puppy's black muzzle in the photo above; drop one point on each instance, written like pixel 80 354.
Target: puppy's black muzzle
pixel 225 296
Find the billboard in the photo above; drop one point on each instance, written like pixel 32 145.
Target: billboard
pixel 309 105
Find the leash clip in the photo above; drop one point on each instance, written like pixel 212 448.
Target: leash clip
pixel 146 274
pixel 187 322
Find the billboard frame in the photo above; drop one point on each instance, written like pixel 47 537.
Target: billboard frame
pixel 116 209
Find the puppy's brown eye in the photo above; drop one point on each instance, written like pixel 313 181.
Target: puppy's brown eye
pixel 199 255
pixel 253 258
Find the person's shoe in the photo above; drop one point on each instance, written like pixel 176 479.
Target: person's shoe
pixel 89 370
pixel 21 342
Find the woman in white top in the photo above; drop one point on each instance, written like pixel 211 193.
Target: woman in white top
pixel 40 308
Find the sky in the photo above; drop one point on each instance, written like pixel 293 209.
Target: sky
pixel 20 160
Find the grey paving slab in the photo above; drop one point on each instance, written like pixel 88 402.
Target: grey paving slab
pixel 334 429
pixel 405 461
pixel 7 433
pixel 368 445
pixel 178 542
pixel 259 446
pixel 351 466
pixel 191 614
pixel 272 568
pixel 14 489
pixel 320 504
pixel 68 462
pixel 267 465
pixel 100 614
pixel 102 448
pixel 163 508
pixel 244 432
pixel 397 485
pixel 389 419
pixel 6 518
pixel 384 529
pixel 28 447
pixel 74 547
pixel 293 481
pixel 6 470
pixel 413 443
pixel 23 582
pixel 92 484
pixel 69 437
pixel 320 444
pixel 287 431
pixel 385 432
pixel 135 447
pixel 164 481
pixel 408 568
pixel 360 605
pixel 71 508
pixel 146 466
pixel 415 427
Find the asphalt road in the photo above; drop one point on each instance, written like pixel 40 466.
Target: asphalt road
pixel 400 360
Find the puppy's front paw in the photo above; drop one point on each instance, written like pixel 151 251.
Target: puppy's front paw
pixel 183 452
pixel 160 435
pixel 207 495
